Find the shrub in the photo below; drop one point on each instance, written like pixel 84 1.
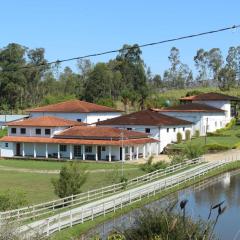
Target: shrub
pixel 216 147
pixel 179 137
pixel 70 180
pixel 217 134
pixel 197 134
pixel 12 199
pixel 177 157
pixel 149 166
pixel 228 126
pixel 187 135
pixel 192 151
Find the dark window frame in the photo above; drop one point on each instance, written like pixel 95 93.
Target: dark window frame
pixel 13 130
pixel 147 130
pixel 46 131
pixel 23 130
pixel 168 130
pixel 38 131
pixel 6 144
pixel 63 148
pixel 88 149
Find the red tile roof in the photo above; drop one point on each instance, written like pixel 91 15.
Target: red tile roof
pixel 190 107
pixel 212 96
pixel 146 117
pixel 45 121
pixel 78 141
pixel 92 132
pixel 74 106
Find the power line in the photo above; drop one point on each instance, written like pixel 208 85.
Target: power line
pixel 127 48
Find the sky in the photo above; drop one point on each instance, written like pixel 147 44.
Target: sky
pixel 71 28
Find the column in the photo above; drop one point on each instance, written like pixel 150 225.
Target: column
pixel 23 149
pixel 144 151
pixel 150 149
pixel 109 153
pixel 130 153
pixel 58 151
pixel 70 152
pixel 46 150
pixel 137 150
pixel 156 144
pixel 123 154
pixel 96 153
pixel 34 150
pixel 83 152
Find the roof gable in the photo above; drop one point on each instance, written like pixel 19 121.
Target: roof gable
pixel 74 106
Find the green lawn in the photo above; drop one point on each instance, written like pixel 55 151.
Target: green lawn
pixel 47 165
pixel 229 141
pixel 38 187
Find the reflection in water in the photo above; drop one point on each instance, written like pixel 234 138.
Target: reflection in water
pixel 200 196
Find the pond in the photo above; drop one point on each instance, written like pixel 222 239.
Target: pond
pixel 225 187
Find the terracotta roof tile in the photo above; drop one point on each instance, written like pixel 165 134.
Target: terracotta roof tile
pixel 210 96
pixel 74 106
pixel 146 117
pixel 191 107
pixel 78 141
pixel 45 121
pixel 92 132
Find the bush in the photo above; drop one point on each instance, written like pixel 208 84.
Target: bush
pixel 12 200
pixel 192 151
pixel 197 134
pixel 187 135
pixel 217 134
pixel 177 157
pixel 228 126
pixel 179 137
pixel 216 147
pixel 70 180
pixel 149 166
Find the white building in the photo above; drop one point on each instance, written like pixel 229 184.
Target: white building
pixel 158 126
pixel 52 137
pixel 76 110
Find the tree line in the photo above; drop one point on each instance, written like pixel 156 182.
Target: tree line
pixel 125 78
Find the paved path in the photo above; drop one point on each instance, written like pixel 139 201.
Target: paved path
pixel 86 209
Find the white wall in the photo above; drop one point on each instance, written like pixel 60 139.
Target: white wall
pixel 7 151
pixel 85 117
pixel 31 131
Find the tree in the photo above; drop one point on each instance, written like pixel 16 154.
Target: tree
pixel 226 78
pixel 70 180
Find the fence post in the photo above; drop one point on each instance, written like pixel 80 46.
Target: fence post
pixel 129 197
pixel 114 206
pixel 47 227
pixel 71 218
pixel 59 225
pixel 103 209
pixel 72 199
pixel 92 213
pixel 82 215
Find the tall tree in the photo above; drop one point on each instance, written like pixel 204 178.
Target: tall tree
pixel 226 78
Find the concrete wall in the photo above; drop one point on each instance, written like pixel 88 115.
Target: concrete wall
pixel 85 117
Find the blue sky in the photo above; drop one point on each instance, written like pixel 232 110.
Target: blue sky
pixel 74 28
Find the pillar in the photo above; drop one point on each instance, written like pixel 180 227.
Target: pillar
pixel 157 151
pixel 46 150
pixel 23 149
pixel 150 149
pixel 137 150
pixel 96 153
pixel 58 151
pixel 34 150
pixel 144 151
pixel 109 153
pixel 130 153
pixel 70 152
pixel 123 154
pixel 83 152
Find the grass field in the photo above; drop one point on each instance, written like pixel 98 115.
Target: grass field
pixel 47 165
pixel 229 141
pixel 38 187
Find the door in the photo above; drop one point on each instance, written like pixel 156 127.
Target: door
pixel 18 149
pixel 99 151
pixel 120 153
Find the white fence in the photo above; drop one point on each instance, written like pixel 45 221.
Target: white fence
pixel 111 204
pixel 31 212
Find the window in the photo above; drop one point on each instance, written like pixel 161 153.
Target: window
pixel 77 151
pixel 13 130
pixel 47 131
pixel 126 149
pixel 147 130
pixel 38 131
pixel 6 145
pixel 88 149
pixel 129 129
pixel 98 120
pixel 63 148
pixel 79 119
pixel 23 130
pixel 167 129
pixel 174 129
pixel 183 129
pixel 103 149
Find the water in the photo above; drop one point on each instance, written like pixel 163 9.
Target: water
pixel 225 187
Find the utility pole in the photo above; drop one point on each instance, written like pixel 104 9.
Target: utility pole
pixel 122 151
